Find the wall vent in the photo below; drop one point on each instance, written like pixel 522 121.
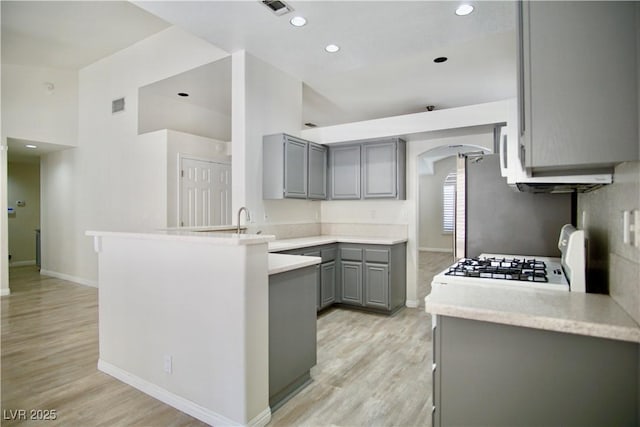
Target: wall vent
pixel 277 6
pixel 117 105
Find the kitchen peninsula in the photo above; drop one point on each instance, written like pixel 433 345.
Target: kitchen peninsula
pixel 184 317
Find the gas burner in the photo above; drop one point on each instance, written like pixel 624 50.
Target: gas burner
pixel 528 270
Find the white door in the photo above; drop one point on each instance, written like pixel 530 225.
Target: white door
pixel 205 193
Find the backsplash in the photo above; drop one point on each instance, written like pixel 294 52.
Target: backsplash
pixel 364 230
pixel 613 266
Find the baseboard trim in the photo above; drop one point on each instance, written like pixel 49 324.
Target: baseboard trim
pixel 412 303
pixel 22 263
pixel 178 402
pixel 262 419
pixel 5 292
pixel 74 279
pixel 446 250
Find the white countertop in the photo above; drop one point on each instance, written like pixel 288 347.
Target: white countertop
pixel 193 236
pixel 570 312
pixel 279 263
pixel 304 242
pixel 205 228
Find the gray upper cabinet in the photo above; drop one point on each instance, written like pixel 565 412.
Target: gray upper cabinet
pixel 293 168
pixel 577 84
pixel 317 171
pixel 382 170
pixel 367 170
pixel 344 171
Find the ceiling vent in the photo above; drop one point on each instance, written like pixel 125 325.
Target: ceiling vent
pixel 117 105
pixel 277 6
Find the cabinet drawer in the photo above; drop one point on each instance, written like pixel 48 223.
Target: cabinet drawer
pixel 351 254
pixel 313 253
pixel 328 254
pixel 377 255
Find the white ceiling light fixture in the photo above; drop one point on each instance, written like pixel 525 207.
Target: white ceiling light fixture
pixel 31 146
pixel 332 48
pixel 464 10
pixel 298 21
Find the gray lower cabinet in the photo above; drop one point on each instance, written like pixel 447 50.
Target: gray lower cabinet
pixel 292 332
pixel 373 276
pixel 344 171
pixel 351 280
pixel 327 288
pixel 376 285
pixel 326 278
pixel 501 375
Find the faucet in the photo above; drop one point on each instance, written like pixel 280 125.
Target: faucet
pixel 246 216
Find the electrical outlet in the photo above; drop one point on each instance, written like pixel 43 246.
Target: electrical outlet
pixel 168 364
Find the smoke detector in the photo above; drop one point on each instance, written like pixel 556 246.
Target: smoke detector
pixel 278 7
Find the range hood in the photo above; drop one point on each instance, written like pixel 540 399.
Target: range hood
pixel 511 168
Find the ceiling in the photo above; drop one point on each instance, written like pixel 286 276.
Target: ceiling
pixel 208 86
pixel 71 34
pixel 19 152
pixel 384 67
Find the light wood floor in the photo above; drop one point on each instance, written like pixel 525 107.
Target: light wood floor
pixel 372 369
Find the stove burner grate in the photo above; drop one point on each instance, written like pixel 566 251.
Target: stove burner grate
pixel 527 270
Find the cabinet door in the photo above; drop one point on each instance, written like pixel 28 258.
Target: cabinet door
pixel 351 278
pixel 376 285
pixel 577 84
pixel 328 284
pixel 379 171
pixel 295 168
pixel 317 171
pixel 345 172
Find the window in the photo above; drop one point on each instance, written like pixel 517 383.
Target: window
pixel 449 203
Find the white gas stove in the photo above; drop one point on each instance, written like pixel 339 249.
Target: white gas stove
pixel 533 272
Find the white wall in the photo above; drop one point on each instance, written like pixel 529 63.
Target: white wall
pixel 430 207
pixel 403 212
pixel 113 180
pixel 23 183
pixel 265 101
pixel 30 111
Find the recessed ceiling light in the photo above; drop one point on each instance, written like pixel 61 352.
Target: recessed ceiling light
pixel 332 48
pixel 440 59
pixel 184 94
pixel 31 146
pixel 464 10
pixel 298 21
